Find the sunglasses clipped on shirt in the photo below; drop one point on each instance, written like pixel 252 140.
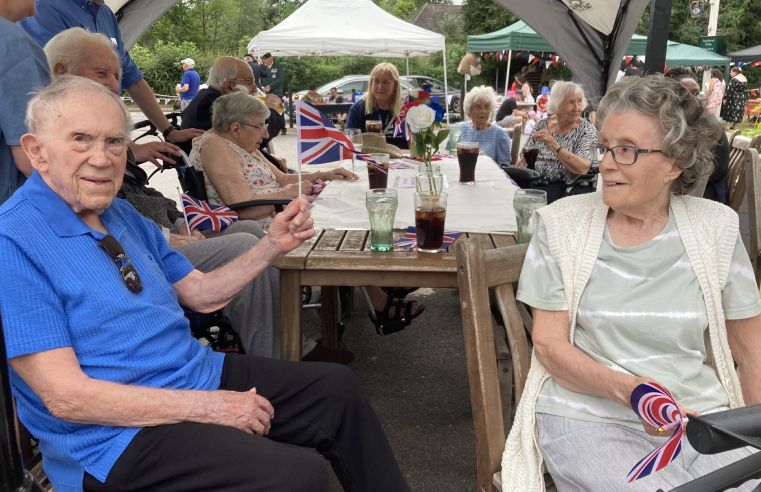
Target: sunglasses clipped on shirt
pixel 121 260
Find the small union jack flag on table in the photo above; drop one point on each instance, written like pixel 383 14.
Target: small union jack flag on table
pixel 408 240
pixel 204 217
pixel 318 140
pixel 654 404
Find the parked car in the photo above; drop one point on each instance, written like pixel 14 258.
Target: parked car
pixel 356 85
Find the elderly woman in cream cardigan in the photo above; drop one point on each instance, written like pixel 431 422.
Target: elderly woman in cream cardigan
pixel 637 283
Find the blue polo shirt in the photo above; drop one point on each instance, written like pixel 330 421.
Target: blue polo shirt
pixel 60 289
pixel 54 16
pixel 23 68
pixel 193 80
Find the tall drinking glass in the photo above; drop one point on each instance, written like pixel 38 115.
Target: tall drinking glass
pixel 377 170
pixel 467 156
pixel 355 135
pixel 381 206
pixel 525 203
pixel 430 215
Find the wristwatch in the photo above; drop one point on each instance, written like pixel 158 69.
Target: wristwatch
pixel 167 131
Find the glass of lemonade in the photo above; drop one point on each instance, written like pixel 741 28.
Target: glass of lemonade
pixel 381 206
pixel 525 203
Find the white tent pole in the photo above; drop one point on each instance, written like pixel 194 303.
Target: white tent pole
pixel 507 74
pixel 408 64
pixel 446 83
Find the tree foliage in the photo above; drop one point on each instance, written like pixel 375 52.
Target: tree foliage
pixel 739 22
pixel 207 29
pixel 483 16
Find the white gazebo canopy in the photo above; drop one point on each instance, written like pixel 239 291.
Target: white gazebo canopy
pixel 348 27
pixel 345 27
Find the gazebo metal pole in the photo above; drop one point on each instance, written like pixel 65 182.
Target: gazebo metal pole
pixel 507 74
pixel 446 82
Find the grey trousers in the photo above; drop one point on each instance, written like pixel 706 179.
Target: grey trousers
pixel 254 311
pixel 591 456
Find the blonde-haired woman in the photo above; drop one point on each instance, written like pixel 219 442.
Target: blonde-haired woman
pixel 382 101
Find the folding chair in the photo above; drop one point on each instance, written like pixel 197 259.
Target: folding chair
pixel 498 357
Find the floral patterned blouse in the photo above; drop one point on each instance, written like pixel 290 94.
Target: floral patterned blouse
pixel 256 171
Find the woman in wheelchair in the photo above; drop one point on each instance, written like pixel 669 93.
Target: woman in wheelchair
pixel 564 162
pixel 234 168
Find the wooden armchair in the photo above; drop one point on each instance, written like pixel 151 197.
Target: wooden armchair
pixel 498 357
pixel 736 176
pixel 753 192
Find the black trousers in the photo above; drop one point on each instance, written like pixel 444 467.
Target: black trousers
pixel 317 405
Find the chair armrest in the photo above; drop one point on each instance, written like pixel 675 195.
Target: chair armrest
pixel 278 203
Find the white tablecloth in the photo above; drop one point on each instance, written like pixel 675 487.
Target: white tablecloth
pixel 483 207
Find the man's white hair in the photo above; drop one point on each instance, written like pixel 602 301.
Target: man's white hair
pixel 224 70
pixel 67 47
pixel 42 107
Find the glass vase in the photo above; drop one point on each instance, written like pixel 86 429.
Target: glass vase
pixel 429 181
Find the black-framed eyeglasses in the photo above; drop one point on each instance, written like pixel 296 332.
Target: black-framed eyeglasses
pixel 126 269
pixel 622 154
pixel 258 127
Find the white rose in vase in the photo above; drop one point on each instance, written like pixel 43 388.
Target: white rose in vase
pixel 419 118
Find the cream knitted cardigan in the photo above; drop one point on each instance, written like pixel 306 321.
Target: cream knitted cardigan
pixel 575 227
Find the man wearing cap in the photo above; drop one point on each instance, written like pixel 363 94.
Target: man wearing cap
pixel 188 87
pixel 273 79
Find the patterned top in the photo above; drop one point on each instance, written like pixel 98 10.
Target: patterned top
pixel 713 100
pixel 647 332
pixel 256 171
pixel 733 105
pixel 577 141
pixel 492 141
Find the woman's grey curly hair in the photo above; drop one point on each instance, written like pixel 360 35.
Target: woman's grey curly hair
pixel 690 131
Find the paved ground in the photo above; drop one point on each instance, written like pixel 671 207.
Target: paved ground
pixel 416 378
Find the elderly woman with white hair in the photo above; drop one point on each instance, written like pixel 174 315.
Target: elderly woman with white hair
pixel 639 283
pixel 563 142
pixel 479 105
pixel 235 169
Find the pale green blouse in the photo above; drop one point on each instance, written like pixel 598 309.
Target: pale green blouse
pixel 641 313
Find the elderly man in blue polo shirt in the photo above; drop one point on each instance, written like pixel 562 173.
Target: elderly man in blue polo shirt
pixel 103 367
pixel 54 16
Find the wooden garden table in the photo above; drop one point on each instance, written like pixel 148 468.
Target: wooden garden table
pixel 336 258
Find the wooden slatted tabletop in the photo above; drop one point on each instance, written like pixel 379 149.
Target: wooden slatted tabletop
pixel 334 258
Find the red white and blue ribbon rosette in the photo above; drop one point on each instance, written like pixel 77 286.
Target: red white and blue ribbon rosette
pixel 654 404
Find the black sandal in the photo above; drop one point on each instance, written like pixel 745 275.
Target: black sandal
pixel 386 324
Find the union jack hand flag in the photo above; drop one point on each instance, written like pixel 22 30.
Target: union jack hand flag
pixel 318 140
pixel 203 217
pixel 655 405
pixel 409 239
